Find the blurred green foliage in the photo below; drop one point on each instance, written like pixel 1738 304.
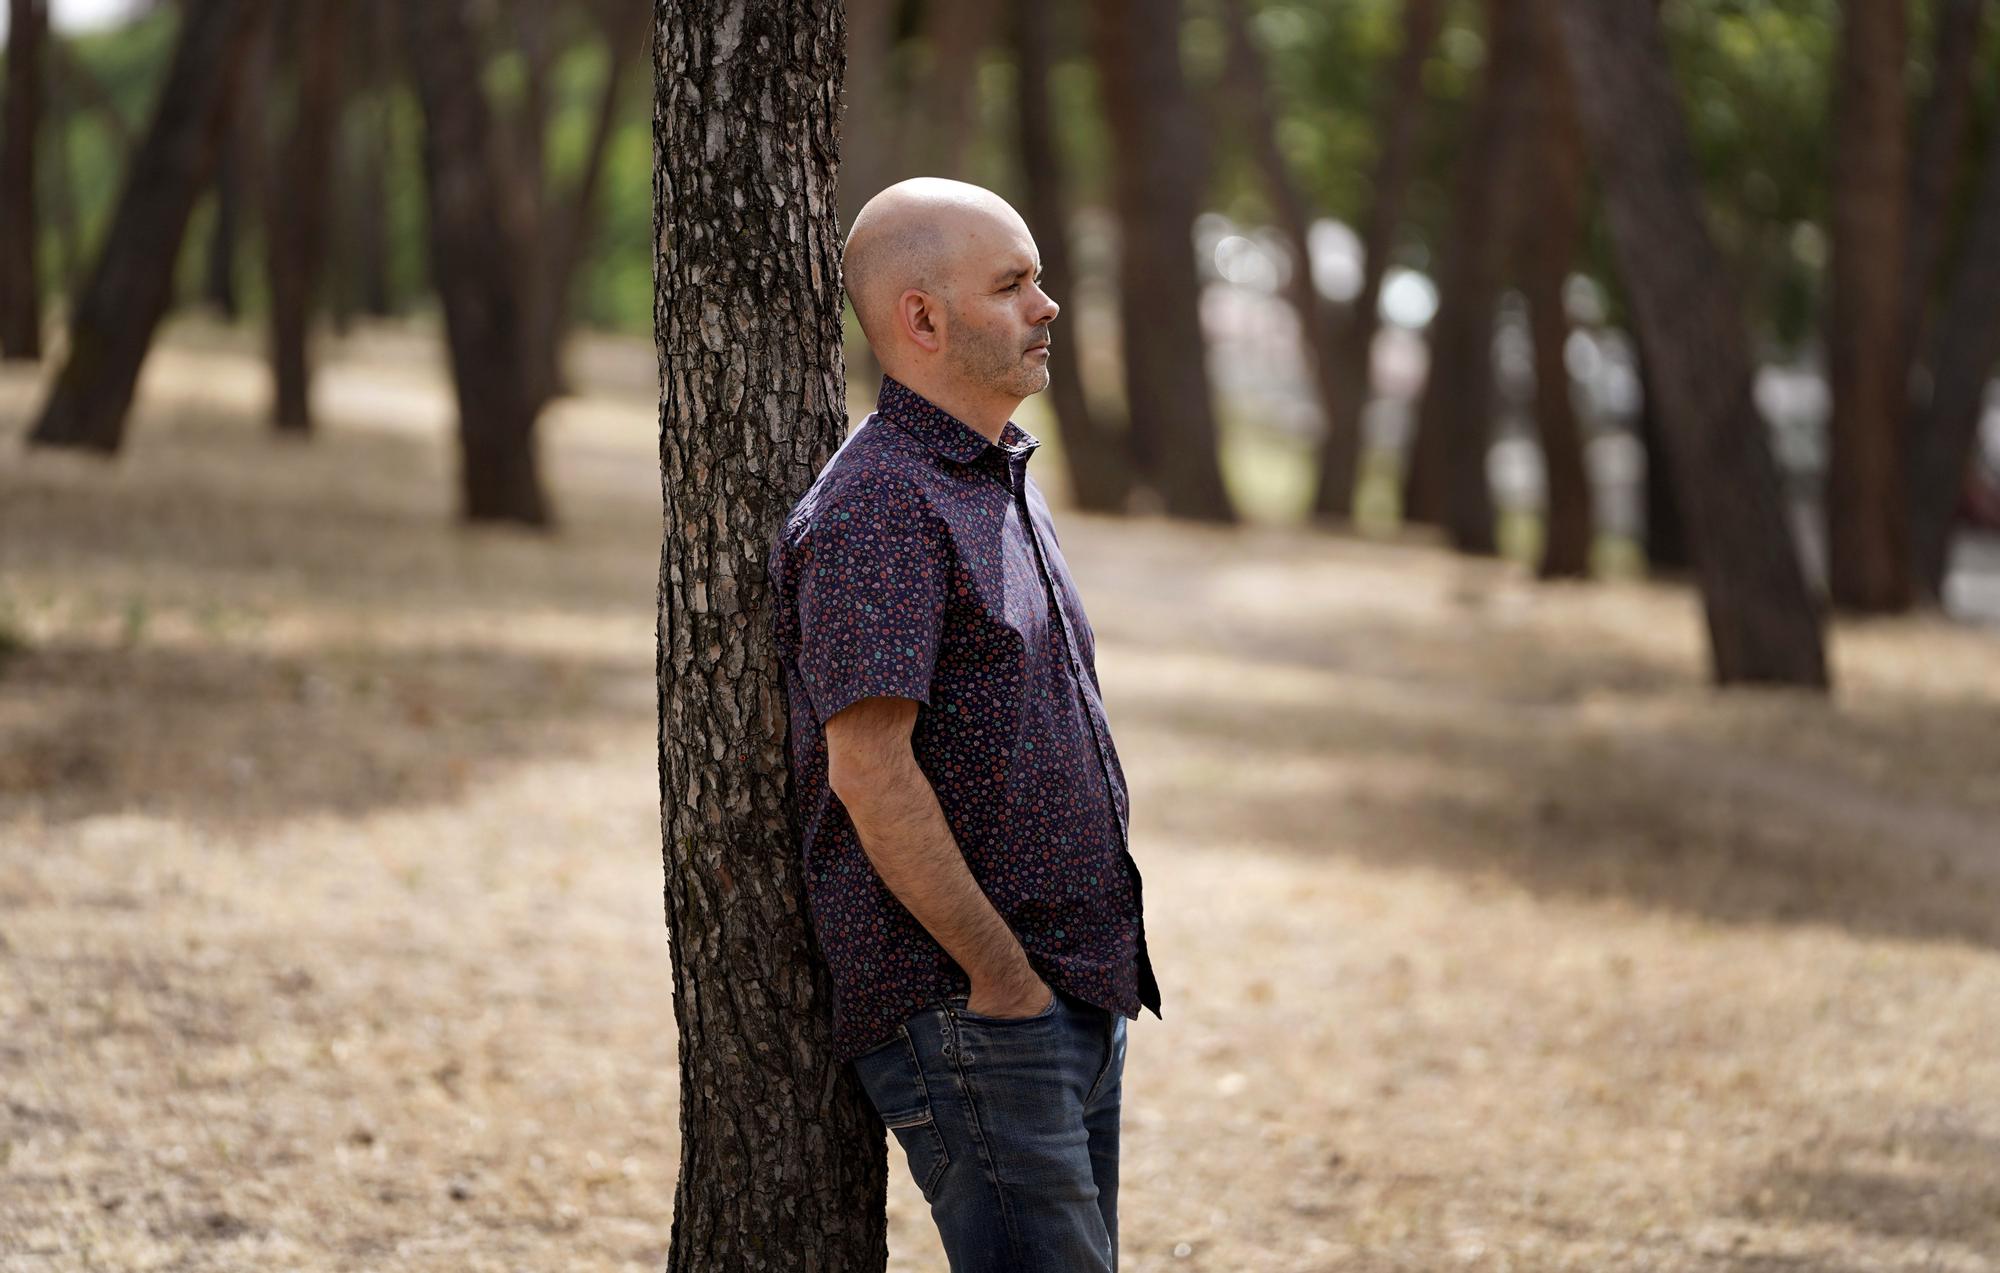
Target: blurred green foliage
pixel 1754 76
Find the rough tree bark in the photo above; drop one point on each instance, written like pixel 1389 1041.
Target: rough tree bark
pixel 1945 432
pixel 295 234
pixel 1157 174
pixel 115 316
pixel 1546 247
pixel 20 288
pixel 499 477
pixel 1447 483
pixel 783 1162
pixel 1395 164
pixel 1867 547
pixel 1762 621
pixel 1100 475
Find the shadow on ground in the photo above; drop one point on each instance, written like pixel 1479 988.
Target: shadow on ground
pixel 231 735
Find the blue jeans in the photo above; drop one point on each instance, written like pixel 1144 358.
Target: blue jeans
pixel 1010 1126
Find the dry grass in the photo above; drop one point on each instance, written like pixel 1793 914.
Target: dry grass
pixel 1491 939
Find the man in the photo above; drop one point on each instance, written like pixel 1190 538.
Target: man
pixel 961 808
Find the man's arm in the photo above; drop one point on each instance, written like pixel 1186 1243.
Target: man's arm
pixel 904 833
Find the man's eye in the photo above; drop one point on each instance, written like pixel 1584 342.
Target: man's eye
pixel 1012 287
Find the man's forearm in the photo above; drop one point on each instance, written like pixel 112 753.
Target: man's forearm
pixel 909 843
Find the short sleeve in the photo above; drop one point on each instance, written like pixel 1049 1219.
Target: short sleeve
pixel 871 598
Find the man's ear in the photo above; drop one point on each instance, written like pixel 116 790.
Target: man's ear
pixel 922 319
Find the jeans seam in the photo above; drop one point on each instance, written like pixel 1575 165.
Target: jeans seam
pixel 1103 1070
pixel 966 1095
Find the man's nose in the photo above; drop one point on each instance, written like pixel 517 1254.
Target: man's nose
pixel 1049 309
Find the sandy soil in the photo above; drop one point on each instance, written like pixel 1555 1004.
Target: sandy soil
pixel 330 934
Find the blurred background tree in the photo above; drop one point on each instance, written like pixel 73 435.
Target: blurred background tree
pixel 1402 303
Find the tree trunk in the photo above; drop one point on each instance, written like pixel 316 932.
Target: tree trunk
pixel 499 478
pixel 1395 163
pixel 1667 549
pixel 240 173
pixel 946 112
pixel 367 152
pixel 1867 548
pixel 1946 431
pixel 523 183
pixel 20 286
pixel 1762 622
pixel 1099 474
pixel 115 317
pixel 218 275
pixel 867 130
pixel 570 219
pixel 1248 85
pixel 1935 161
pixel 1448 482
pixel 1157 179
pixel 783 1162
pixel 378 293
pixel 1548 244
pixel 371 212
pixel 295 240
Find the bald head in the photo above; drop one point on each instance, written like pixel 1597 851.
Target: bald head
pixel 926 233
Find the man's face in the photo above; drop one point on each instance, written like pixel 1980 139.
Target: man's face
pixel 997 315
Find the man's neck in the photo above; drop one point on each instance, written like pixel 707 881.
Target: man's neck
pixel 982 413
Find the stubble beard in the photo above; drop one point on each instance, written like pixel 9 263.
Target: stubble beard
pixel 996 363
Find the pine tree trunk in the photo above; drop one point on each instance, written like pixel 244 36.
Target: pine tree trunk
pixel 218 276
pixel 1867 547
pixel 1157 172
pixel 1946 431
pixel 1936 160
pixel 115 317
pixel 1763 624
pixel 1667 549
pixel 867 121
pixel 1100 475
pixel 499 477
pixel 1395 163
pixel 571 218
pixel 20 286
pixel 1548 241
pixel 1247 84
pixel 941 132
pixel 526 200
pixel 295 240
pixel 371 212
pixel 240 175
pixel 372 153
pixel 783 1163
pixel 1448 483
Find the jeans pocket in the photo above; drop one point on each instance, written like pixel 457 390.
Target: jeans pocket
pixel 959 1010
pixel 895 1085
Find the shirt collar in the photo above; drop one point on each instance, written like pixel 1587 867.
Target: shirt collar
pixel 944 432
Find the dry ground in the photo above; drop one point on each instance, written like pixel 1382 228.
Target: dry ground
pixel 330 934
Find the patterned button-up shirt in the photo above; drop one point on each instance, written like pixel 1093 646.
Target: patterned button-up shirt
pixel 923 564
